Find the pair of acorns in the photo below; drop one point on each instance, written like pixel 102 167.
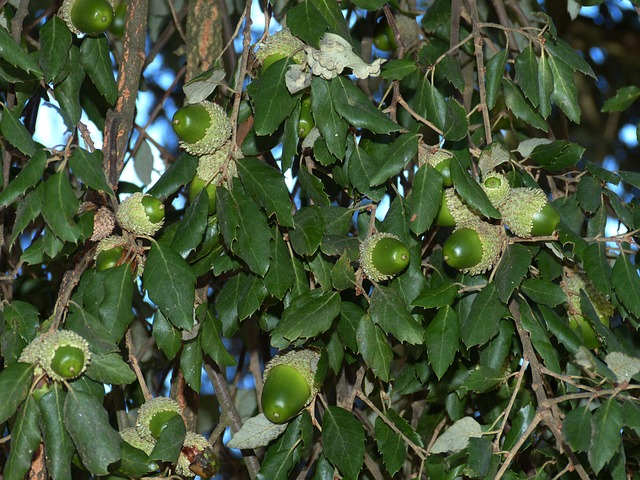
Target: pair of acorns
pixel 61 355
pixel 196 456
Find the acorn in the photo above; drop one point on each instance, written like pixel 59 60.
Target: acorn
pixel 130 435
pixel 197 457
pixel 497 188
pixel 64 355
pixel 202 128
pixel 573 282
pixel 154 415
pixel 438 158
pixel 90 17
pixel 280 45
pixel 453 211
pixel 383 256
pixel 290 383
pixel 115 250
pixel 141 214
pixel 474 248
pixel 527 212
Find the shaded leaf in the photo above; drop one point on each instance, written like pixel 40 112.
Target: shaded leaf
pixel 606 437
pixel 374 347
pixel 343 440
pixel 25 439
pixel 88 167
pixel 96 61
pixel 483 320
pixel 442 338
pixel 15 381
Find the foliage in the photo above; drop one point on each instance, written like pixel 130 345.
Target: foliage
pixel 525 368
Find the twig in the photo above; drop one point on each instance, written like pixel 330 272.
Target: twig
pixel 478 42
pixel 133 360
pixel 496 442
pixel 514 450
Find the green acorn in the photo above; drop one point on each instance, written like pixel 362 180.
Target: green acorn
pixel 141 214
pixel 383 256
pixel 290 383
pixel 130 435
pixel 116 250
pixel 90 17
pixel 154 415
pixel 497 188
pixel 527 212
pixel 64 355
pixel 573 282
pixel 453 211
pixel 202 127
pixel 474 248
pixel 438 158
pixel 197 457
pixel 280 45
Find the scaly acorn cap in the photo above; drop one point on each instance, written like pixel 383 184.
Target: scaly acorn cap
pixel 32 352
pixel 520 207
pixel 305 362
pixel 367 248
pixel 114 241
pixel 216 135
pixel 130 435
pixel 216 164
pixel 197 457
pixel 460 212
pixel 148 410
pixel 492 239
pixel 61 342
pixel 497 188
pixel 432 155
pixel 573 282
pixel 282 43
pixel 65 14
pixel 132 217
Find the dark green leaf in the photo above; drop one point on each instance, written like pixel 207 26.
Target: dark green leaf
pixel 313 187
pixel 212 341
pixel 597 267
pixel 171 284
pixel 625 281
pixel 520 107
pixel 91 329
pixel 109 368
pixel 362 167
pixel 540 339
pixel 576 428
pixel 22 317
pixel 557 155
pixel 430 104
pixel 494 354
pixel 622 100
pixel 402 151
pixel 167 337
pixel 527 74
pixel 67 92
pixel 424 202
pixel 115 308
pixel 483 321
pixel 252 294
pixel 60 207
pixel 59 448
pixel 273 102
pixel 88 167
pixel 606 423
pixel 87 422
pixel 543 291
pixel 309 229
pixel 567 54
pixel 178 174
pixel 456 125
pixel 442 338
pixel 483 379
pixel 25 439
pixel 390 312
pixel 343 440
pixel 565 94
pixel 332 127
pixel 493 77
pixel 55 42
pixel 512 269
pixel 589 194
pixel 470 190
pixel 398 69
pixel 308 315
pixel 374 347
pixel 28 210
pixel 545 86
pixel 191 229
pixel 14 131
pixel 391 446
pixel 308 23
pixel 279 277
pixel 170 441
pixel 96 61
pixel 561 330
pixel 15 382
pixel 14 54
pixel 191 362
pixel 480 452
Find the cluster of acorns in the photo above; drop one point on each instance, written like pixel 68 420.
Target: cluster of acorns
pixel 196 456
pixel 61 355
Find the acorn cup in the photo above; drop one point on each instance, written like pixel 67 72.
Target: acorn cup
pixel 291 382
pixel 141 214
pixel 474 248
pixel 130 435
pixel 90 17
pixel 527 212
pixel 197 457
pixel 278 46
pixel 453 211
pixel 154 415
pixel 383 256
pixel 202 128
pixel 497 188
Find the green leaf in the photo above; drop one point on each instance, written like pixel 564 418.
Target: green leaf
pixel 483 320
pixel 354 106
pixel 313 186
pixel 244 228
pixel 456 125
pixel 540 339
pixel 361 168
pixel 343 440
pixel 402 151
pixel 576 428
pixel 622 100
pixel 565 94
pixel 15 382
pixel 567 54
pixel 374 347
pixel 430 104
pixel 114 310
pixel 332 127
pixel 545 86
pixel 279 277
pixel 273 102
pixel 91 329
pixel 267 187
pixel 520 107
pixel 170 441
pixel 98 444
pixel 470 190
pixel 310 19
pixel 96 61
pixel 513 267
pixel 398 69
pixel 527 74
pixel 167 337
pixel 192 227
pixel 442 338
pixel 171 284
pixel 60 207
pixel 332 13
pixel 543 291
pixel 625 281
pixel 135 463
pixel 67 92
pixel 109 368
pixel 25 439
pixel 252 294
pixel 27 211
pixel 480 456
pixel 22 317
pixel 58 444
pixel 483 379
pixel 178 174
pixel 55 42
pixel 191 362
pixel 589 194
pixel 597 267
pixel 212 342
pixel 557 155
pixel 388 310
pixel 424 202
pixel 88 167
pixel 391 446
pixel 15 55
pixel 308 315
pixel 495 71
pixel 14 131
pixel 606 423
pixel 308 232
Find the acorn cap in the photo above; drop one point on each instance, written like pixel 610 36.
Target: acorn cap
pixel 103 223
pixel 148 410
pixel 492 239
pixel 281 43
pixel 574 281
pixel 497 188
pixel 460 212
pixel 305 362
pixel 32 352
pixel 65 14
pixel 432 155
pixel 216 135
pixel 130 435
pixel 132 217
pixel 520 207
pixel 60 339
pixel 197 457
pixel 366 256
pixel 217 164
